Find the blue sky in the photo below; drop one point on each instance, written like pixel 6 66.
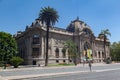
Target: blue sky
pixel 98 14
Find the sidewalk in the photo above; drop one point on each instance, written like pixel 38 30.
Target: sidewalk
pixel 28 72
pixel 43 67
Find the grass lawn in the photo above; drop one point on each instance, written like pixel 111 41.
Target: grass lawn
pixel 60 64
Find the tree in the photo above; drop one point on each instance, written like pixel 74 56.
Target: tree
pixel 71 46
pixel 105 33
pixel 8 47
pixel 48 16
pixel 64 51
pixel 115 51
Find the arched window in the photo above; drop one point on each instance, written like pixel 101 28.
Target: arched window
pixel 86 46
pixel 102 54
pixel 99 54
pixel 36 39
pixel 57 52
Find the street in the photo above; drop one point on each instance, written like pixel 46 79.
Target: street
pixel 104 75
pixel 80 72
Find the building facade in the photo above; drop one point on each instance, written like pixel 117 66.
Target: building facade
pixel 32 43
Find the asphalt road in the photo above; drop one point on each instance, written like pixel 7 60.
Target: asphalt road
pixel 102 75
pixel 97 71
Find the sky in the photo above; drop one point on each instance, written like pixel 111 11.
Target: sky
pixel 98 14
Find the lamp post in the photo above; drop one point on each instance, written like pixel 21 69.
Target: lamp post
pixel 5 58
pixel 4 61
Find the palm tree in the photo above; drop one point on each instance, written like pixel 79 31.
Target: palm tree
pixel 48 16
pixel 105 33
pixel 72 50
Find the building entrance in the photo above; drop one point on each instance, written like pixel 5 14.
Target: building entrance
pixel 87 53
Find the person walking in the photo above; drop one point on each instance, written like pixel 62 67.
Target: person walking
pixel 84 61
pixel 90 65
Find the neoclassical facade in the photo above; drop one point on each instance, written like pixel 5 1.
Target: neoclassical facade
pixel 32 43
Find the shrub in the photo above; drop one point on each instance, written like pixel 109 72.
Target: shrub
pixel 1 63
pixel 16 61
pixel 108 60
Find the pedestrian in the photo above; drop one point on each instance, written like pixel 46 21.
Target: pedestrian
pixel 84 61
pixel 89 64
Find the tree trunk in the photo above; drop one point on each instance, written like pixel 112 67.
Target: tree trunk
pixel 47 38
pixel 104 46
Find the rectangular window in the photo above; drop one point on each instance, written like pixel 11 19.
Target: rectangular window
pixel 35 40
pixel 35 52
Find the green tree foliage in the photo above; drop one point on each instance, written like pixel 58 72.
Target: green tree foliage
pixel 8 47
pixel 106 32
pixel 64 50
pixel 48 16
pixel 16 61
pixel 72 51
pixel 115 51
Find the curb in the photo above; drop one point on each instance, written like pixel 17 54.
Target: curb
pixel 42 75
pixel 29 68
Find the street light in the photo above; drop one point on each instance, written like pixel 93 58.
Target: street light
pixel 5 58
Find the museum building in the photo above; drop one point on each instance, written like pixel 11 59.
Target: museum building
pixel 32 43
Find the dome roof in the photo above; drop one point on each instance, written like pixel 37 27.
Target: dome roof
pixel 76 26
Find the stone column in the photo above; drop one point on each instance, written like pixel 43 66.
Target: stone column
pixel 52 47
pixel 97 56
pixel 29 50
pixel 80 50
pixel 101 57
pixel 42 47
pixel 107 51
pixel 67 55
pixel 93 50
